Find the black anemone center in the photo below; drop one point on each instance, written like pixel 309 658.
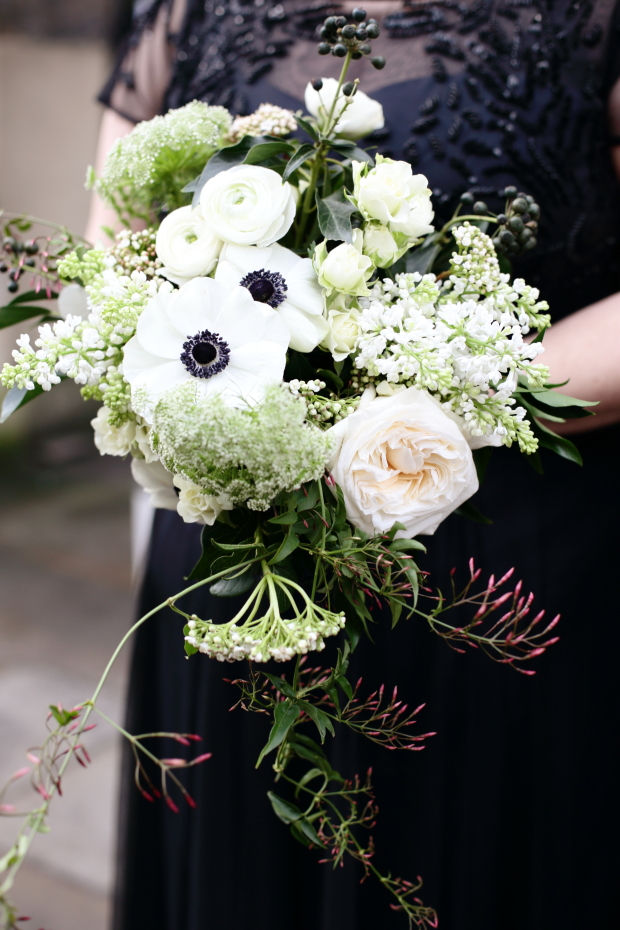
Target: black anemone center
pixel 267 287
pixel 205 354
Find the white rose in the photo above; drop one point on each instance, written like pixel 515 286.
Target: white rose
pixel 157 482
pixel 361 116
pixel 186 245
pixel 112 440
pixel 345 268
pixel 400 459
pixel 248 205
pixel 393 195
pixel 343 332
pixel 381 246
pixel 197 507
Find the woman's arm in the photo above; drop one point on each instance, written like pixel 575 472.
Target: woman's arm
pixel 584 348
pixel 113 127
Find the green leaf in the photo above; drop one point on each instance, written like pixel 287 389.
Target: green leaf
pixel 285 519
pixel 290 543
pixel 396 609
pixel 401 545
pixel 226 158
pixel 282 686
pixel 303 153
pixel 232 587
pixel 16 398
pixel 309 501
pixel 62 716
pixel 285 714
pixel 189 649
pixel 558 444
pixel 9 316
pixel 346 687
pixel 305 828
pixel 265 150
pixel 472 513
pixel 334 216
pixel 320 718
pixel 27 297
pixel 336 381
pixel 422 259
pixel 307 127
pixel 352 151
pixel 286 811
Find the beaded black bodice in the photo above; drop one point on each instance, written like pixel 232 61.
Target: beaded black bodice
pixel 476 95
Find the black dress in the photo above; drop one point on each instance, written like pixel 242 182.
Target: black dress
pixel 510 813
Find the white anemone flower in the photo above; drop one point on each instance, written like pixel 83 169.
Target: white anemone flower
pixel 279 278
pixel 222 341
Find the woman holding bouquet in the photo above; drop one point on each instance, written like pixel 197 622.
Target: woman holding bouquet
pixel 508 812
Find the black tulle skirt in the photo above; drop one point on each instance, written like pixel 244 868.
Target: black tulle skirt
pixel 509 814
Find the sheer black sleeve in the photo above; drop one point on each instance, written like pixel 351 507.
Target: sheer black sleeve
pixel 137 86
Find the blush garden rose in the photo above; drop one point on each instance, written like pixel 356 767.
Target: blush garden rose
pixel 400 459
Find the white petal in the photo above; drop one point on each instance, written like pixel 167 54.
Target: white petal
pixel 196 306
pixel 304 289
pixel 228 273
pixel 240 319
pixel 155 332
pixel 136 359
pixel 306 330
pixel 266 359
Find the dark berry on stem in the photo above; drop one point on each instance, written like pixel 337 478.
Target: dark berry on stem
pixel 361 34
pixel 358 14
pixel 378 62
pixel 480 207
pixel 515 224
pixel 502 219
pixel 348 32
pixel 520 205
pixel 323 48
pixel 13 287
pixel 372 30
pixel 356 54
pixel 348 89
pixel 339 50
pixel 467 198
pixel 365 49
pixel 510 192
pixel 341 21
pixel 317 84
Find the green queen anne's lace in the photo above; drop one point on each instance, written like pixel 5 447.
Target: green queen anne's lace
pixel 251 455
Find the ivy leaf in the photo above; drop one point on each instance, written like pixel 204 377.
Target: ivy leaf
pixel 401 545
pixel 303 829
pixel 558 444
pixel 282 686
pixel 422 259
pixel 303 153
pixel 232 587
pixel 285 714
pixel 334 216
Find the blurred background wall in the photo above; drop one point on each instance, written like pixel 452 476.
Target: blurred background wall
pixel 65 589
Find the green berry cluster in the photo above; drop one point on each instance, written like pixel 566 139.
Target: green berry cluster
pixel 341 36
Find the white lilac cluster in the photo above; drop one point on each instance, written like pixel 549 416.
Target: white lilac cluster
pixel 160 149
pixel 250 454
pixel 267 120
pixel 461 339
pixel 269 637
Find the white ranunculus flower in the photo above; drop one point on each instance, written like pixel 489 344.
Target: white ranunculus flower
pixel 362 116
pixel 186 245
pixel 157 482
pixel 345 268
pixel 343 332
pixel 72 301
pixel 391 194
pixel 279 278
pixel 197 507
pixel 381 246
pixel 400 459
pixel 112 440
pixel 220 340
pixel 248 205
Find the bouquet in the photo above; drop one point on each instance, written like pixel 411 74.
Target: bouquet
pixel 294 357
